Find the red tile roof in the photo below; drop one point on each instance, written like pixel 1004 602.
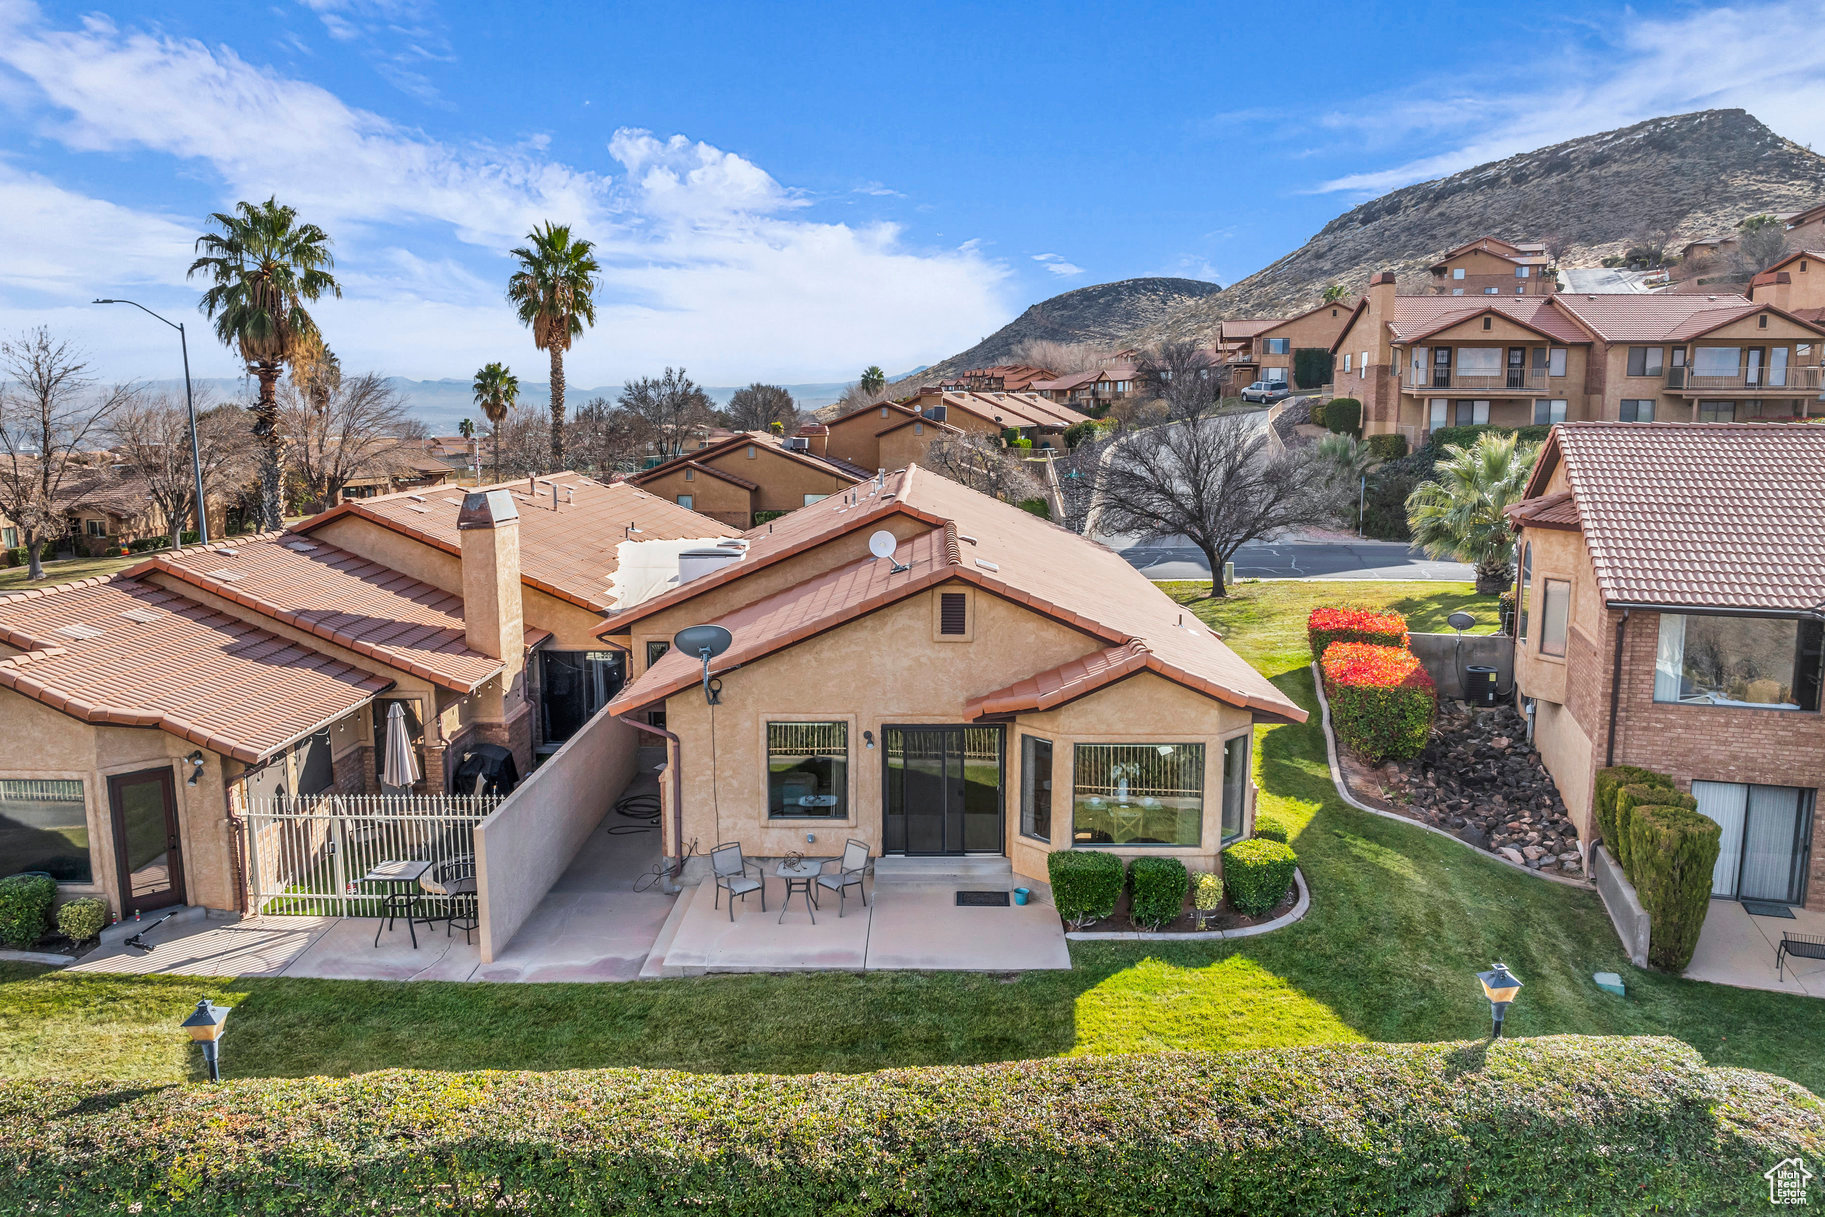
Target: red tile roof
pixel 1660 317
pixel 1698 515
pixel 570 551
pixel 122 652
pixel 1418 317
pixel 1023 409
pixel 1249 327
pixel 738 439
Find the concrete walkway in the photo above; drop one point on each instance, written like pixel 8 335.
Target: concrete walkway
pixel 1736 948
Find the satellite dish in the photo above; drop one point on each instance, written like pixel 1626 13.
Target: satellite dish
pixel 883 543
pixel 707 641
pixel 1460 621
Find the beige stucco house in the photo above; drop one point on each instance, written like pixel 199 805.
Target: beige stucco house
pixel 750 474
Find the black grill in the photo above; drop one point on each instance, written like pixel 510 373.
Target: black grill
pixel 982 899
pixel 950 613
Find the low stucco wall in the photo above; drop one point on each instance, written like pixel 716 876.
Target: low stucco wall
pixel 1623 906
pixel 1444 663
pixel 531 839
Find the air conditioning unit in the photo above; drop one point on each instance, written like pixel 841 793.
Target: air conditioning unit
pixel 935 413
pixel 798 443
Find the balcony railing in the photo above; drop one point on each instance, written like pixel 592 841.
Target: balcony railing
pixel 1804 379
pixel 1513 380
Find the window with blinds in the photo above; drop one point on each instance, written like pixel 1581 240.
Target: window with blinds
pixel 44 826
pixel 808 770
pixel 953 613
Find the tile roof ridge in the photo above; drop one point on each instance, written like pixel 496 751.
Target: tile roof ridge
pixel 953 551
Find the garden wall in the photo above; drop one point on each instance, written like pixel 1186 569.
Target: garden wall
pixel 1444 663
pixel 1624 907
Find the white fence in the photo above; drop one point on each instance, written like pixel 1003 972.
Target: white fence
pixel 308 856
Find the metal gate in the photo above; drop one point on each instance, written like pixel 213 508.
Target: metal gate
pixel 307 856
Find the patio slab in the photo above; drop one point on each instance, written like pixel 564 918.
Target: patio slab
pixel 1736 948
pixel 756 941
pixel 262 946
pixel 922 927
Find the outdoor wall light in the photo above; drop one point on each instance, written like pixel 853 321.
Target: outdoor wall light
pixel 195 761
pixel 1500 987
pixel 868 738
pixel 205 1027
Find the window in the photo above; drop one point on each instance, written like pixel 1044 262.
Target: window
pixel 1457 272
pixel 1636 410
pixel 684 501
pixel 1490 291
pixel 45 826
pixel 1435 413
pixel 1777 367
pixel 1716 361
pixel 9 537
pixel 690 474
pixel 1762 321
pixel 1138 794
pixel 1738 661
pixel 815 498
pixel 655 651
pixel 94 528
pixel 573 685
pixel 1279 346
pixel 1716 411
pixel 1646 361
pixel 1555 362
pixel 751 452
pixel 1521 272
pixel 1036 787
pixel 1479 361
pixel 1457 291
pixel 1362 365
pixel 1471 413
pixel 1522 595
pixel 1762 851
pixel 1548 412
pixel 953 615
pixel 1235 784
pixel 1346 361
pixel 808 771
pixel 1555 607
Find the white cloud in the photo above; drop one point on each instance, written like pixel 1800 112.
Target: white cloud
pixel 878 190
pixel 1057 264
pixel 1765 58
pixel 708 260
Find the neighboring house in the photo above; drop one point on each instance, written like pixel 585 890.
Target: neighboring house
pixel 1002 378
pixel 998 686
pixel 1267 349
pixel 147 709
pixel 1091 393
pixel 454 450
pixel 1422 362
pixel 1796 283
pixel 1806 229
pixel 748 474
pixel 1490 266
pixel 1670 590
pixel 892 435
pixel 396 470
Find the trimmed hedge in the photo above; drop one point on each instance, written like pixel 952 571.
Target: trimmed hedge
pixel 1257 873
pixel 25 908
pixel 1156 891
pixel 1085 884
pixel 1642 794
pixel 1269 829
pixel 1382 701
pixel 1603 800
pixel 1387 447
pixel 1675 850
pixel 1564 1124
pixel 1323 626
pixel 1343 415
pixel 82 918
pixel 1312 367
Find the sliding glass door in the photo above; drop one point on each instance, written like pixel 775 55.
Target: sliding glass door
pixel 942 790
pixel 1764 847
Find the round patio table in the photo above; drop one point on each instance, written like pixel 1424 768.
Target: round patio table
pixel 799 878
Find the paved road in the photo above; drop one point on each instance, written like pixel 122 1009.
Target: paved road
pixel 1298 560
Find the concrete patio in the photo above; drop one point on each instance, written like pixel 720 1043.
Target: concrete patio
pixel 1736 948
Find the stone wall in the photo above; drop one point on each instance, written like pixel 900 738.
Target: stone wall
pixel 1444 662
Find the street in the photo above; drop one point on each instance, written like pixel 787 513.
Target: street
pixel 1348 559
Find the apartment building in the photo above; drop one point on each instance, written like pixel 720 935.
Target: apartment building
pixel 1796 283
pixel 1094 391
pixel 751 475
pixel 1422 362
pixel 1267 349
pixel 1490 266
pixel 892 435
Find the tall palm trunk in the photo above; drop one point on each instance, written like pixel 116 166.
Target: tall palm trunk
pixel 266 435
pixel 557 407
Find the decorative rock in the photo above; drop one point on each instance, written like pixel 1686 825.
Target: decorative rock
pixel 1533 852
pixel 1511 853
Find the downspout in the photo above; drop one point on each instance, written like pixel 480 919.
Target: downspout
pixel 1609 745
pixel 675 755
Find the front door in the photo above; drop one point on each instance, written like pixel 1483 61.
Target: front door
pixel 942 791
pixel 146 852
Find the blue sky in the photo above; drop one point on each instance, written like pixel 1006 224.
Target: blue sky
pixel 783 192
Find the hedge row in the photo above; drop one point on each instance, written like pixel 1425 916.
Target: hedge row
pixel 1630 798
pixel 1085 884
pixel 1326 625
pixel 1519 1126
pixel 1608 782
pixel 25 908
pixel 1156 891
pixel 1675 850
pixel 1382 701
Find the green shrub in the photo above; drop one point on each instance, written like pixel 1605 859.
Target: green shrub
pixel 1206 895
pixel 1156 891
pixel 1037 507
pixel 1562 1124
pixel 1311 367
pixel 1269 829
pixel 1603 799
pixel 1316 411
pixel 1674 849
pixel 1010 436
pixel 1020 442
pixel 1257 873
pixel 1342 623
pixel 761 517
pixel 1387 447
pixel 1466 437
pixel 1085 884
pixel 1384 507
pixel 1382 701
pixel 1343 415
pixel 1643 794
pixel 82 918
pixel 25 908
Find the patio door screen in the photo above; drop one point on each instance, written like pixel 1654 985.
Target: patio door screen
pixel 1762 852
pixel 942 791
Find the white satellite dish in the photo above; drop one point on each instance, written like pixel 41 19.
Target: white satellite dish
pixel 882 545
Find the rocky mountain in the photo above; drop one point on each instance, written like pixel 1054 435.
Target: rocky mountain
pixel 1686 176
pixel 1106 313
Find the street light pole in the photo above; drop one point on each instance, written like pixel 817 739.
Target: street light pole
pixel 196 459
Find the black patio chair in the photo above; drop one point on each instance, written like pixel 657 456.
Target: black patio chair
pixel 453 880
pixel 854 866
pixel 732 875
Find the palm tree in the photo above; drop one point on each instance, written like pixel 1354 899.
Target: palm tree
pixel 496 391
pixel 316 371
pixel 1460 513
pixel 263 267
pixel 466 428
pixel 554 291
pixel 873 380
pixel 1336 293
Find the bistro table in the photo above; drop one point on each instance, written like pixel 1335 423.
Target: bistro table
pixel 799 877
pixel 400 880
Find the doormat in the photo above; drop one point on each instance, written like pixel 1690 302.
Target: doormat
pixel 1762 908
pixel 983 899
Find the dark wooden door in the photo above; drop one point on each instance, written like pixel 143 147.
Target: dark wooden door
pixel 147 854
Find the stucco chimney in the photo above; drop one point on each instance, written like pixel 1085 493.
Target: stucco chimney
pixel 493 622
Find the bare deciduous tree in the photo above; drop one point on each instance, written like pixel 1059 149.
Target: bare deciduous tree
pixel 669 405
pixel 604 437
pixel 152 440
pixel 363 429
pixel 1213 480
pixel 758 407
pixel 51 413
pixel 523 444
pixel 1761 242
pixel 1061 357
pixel 981 463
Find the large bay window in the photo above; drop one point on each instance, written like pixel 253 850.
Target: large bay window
pixel 44 826
pixel 808 771
pixel 1138 794
pixel 1770 662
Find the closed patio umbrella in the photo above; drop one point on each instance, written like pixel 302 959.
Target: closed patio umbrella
pixel 401 768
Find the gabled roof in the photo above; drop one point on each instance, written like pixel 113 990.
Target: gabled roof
pixel 1697 515
pixel 1549 511
pixel 1417 317
pixel 910 420
pixel 570 551
pixel 1246 327
pixel 1525 253
pixel 1004 552
pixel 1660 317
pixel 341 598
pixel 1806 217
pixel 1795 256
pixel 1026 409
pixel 122 652
pixel 761 439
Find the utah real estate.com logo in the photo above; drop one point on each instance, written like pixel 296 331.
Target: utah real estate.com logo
pixel 1787 1181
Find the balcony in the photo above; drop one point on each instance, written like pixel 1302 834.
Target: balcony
pixel 1510 381
pixel 1761 382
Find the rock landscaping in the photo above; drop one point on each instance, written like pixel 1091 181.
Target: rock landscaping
pixel 1480 780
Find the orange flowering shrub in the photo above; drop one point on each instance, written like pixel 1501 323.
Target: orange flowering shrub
pixel 1327 625
pixel 1382 701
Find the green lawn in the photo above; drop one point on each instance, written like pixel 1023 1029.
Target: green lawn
pixel 66 570
pixel 1400 921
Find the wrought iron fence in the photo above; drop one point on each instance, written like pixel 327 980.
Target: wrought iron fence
pixel 308 856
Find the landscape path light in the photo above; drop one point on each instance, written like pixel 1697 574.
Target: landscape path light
pixel 205 1027
pixel 1500 987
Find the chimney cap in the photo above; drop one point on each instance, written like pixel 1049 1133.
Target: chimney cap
pixel 487 509
pixel 1385 276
